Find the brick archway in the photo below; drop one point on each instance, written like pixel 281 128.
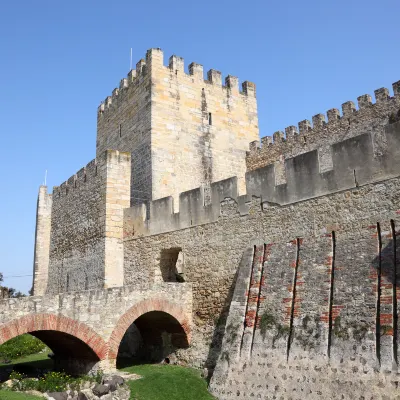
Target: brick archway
pixel 138 310
pixel 50 322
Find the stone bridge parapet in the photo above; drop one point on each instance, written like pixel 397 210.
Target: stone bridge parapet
pixel 99 318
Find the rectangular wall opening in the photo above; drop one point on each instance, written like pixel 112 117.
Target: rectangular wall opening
pixel 171 265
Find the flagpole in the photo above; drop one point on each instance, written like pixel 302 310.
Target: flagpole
pixel 131 61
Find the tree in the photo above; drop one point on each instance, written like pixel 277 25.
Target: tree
pixel 11 292
pixel 15 293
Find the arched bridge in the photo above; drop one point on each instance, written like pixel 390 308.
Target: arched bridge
pixel 85 329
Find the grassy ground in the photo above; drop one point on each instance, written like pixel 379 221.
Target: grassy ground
pixel 17 396
pixel 161 382
pixel 28 359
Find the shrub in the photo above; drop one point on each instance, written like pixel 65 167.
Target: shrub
pixel 21 346
pixel 50 382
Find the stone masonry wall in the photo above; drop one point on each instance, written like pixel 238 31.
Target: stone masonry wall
pixel 353 162
pixel 315 318
pixel 201 129
pixel 369 118
pixel 86 226
pixel 182 130
pixel 117 198
pixel 212 251
pixel 42 242
pixel 124 124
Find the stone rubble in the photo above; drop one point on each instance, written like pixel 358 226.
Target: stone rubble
pixel 113 387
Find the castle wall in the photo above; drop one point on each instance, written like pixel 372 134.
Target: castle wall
pixel 182 130
pixel 213 251
pixel 320 322
pixel 353 162
pixel 322 133
pixel 86 226
pixel 42 242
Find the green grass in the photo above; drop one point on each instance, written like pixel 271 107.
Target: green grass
pixel 161 382
pixel 29 359
pixel 6 395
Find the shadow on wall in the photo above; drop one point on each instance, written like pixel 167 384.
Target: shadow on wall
pixel 216 342
pixel 386 263
pixel 387 280
pixel 152 338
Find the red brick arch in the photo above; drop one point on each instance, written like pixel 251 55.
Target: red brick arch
pixel 50 322
pixel 139 309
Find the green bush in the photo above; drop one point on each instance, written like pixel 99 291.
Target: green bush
pixel 50 382
pixel 21 346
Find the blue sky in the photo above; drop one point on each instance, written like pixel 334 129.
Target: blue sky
pixel 59 59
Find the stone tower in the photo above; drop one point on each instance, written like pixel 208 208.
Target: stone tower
pixel 183 131
pixel 42 242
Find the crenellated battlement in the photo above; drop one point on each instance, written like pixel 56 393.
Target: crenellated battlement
pixel 76 180
pixel 353 164
pixel 176 65
pixel 326 129
pixel 90 172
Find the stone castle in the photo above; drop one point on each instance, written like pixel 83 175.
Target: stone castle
pixel 274 267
